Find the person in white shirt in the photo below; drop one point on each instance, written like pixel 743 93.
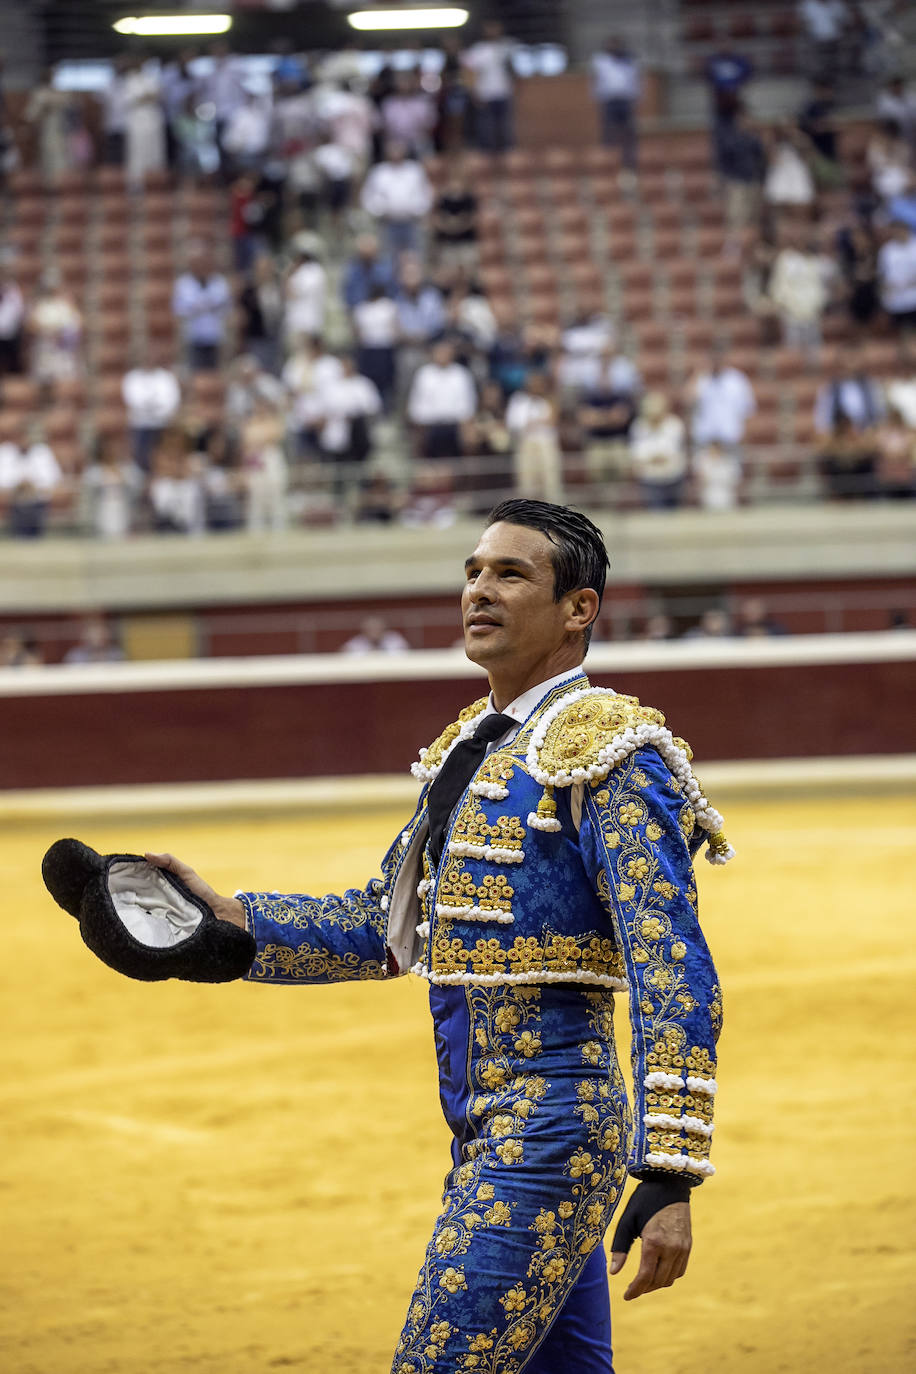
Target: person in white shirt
pixel 897 279
pixel 337 165
pixel 246 136
pixel 152 396
pixel 201 302
pixel 584 343
pixel 824 23
pixel 658 453
pixel 490 64
pixel 305 295
pixel 531 418
pixel 264 468
pixel 398 193
pixel 111 486
pixel 55 324
pixel 717 478
pixel 308 371
pixel 376 324
pixel 616 87
pixel 144 124
pixel 348 405
pixel 350 118
pixel 376 637
pixel 799 289
pixel 30 478
pixel 723 401
pixel 442 397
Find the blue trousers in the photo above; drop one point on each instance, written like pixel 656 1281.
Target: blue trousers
pixel 514 1277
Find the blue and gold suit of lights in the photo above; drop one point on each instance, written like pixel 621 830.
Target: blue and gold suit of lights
pixel 566 876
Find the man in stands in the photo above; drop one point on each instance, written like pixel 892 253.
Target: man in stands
pixel 442 397
pixel 152 396
pixel 397 193
pixel 201 301
pixel 723 402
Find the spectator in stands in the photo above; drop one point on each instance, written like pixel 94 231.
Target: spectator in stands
pixel 753 621
pixel 847 461
pixel 114 112
pixel 421 318
pixel 250 385
pixel 717 478
pixel 348 404
pixel 606 414
pixel 658 453
pixel 857 254
pixel 175 489
pixel 30 479
pixel 888 158
pixel 851 396
pixel 455 220
pixel 304 290
pixel 337 165
pixel 800 289
pixel 224 87
pixel 408 115
pixel 656 629
pixel 12 320
pixel 900 394
pixel 895 448
pixel 224 485
pixel 742 164
pixel 246 135
pixel 531 419
pixel 895 102
pixel 177 85
pixel 584 342
pixel 48 110
pixel 308 370
pixel 897 280
pixel 111 487
pixel 824 23
pixel 616 87
pixel 152 397
pixel 96 644
pixel 263 464
pixel 145 123
pixel 201 302
pixel 818 127
pixel 470 318
pixel 365 270
pixel 714 623
pixel 19 651
pixel 442 398
pixel 376 637
pixel 378 502
pixel 489 63
pixel 723 401
pixel 348 116
pixel 397 193
pixel 375 324
pixel 261 304
pixel 55 326
pixel 727 73
pixel 789 183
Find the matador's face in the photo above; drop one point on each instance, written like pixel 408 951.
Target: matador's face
pixel 508 610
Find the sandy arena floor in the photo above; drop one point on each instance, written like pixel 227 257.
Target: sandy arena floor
pixel 240 1179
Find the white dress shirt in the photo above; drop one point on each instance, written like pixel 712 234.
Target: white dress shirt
pixel 397 191
pixel 152 397
pixel 441 395
pixel 306 290
pixel 724 402
pixel 897 273
pixel 34 466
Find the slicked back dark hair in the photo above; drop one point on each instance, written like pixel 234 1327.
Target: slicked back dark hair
pixel 579 555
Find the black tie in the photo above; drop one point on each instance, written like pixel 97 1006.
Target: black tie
pixel 457 771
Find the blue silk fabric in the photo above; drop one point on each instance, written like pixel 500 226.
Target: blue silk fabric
pixel 515 1275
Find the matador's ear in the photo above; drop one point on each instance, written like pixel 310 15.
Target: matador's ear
pixel 143 921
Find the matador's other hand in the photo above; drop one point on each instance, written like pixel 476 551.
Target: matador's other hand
pixel 666 1242
pixel 226 908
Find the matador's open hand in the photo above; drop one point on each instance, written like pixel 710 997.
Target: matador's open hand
pixel 226 908
pixel 666 1241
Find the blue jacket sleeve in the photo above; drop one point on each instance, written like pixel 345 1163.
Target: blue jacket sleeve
pixel 635 834
pixel 330 939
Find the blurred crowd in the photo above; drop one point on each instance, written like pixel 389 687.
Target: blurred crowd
pixel 368 376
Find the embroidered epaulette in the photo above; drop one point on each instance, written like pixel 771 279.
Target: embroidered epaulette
pixel 432 758
pixel 585 734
